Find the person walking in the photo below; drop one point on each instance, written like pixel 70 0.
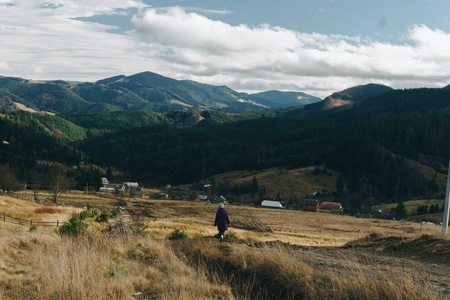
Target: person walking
pixel 222 221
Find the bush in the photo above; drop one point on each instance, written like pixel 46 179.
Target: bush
pixel 230 235
pixel 178 234
pixel 104 216
pixel 74 227
pixel 88 214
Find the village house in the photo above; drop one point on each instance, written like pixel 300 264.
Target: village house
pixel 202 197
pixel 112 187
pixel 331 207
pixel 105 181
pixel 268 202
pixel 310 205
pixel 134 190
pixel 179 194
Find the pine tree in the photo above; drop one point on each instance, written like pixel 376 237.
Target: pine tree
pixel 400 211
pixel 109 173
pixel 255 187
pixel 339 185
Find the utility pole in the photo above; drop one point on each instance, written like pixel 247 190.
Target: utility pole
pixel 447 206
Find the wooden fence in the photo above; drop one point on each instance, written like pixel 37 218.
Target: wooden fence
pixel 19 221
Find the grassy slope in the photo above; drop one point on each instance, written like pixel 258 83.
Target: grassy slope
pixel 289 183
pixel 110 265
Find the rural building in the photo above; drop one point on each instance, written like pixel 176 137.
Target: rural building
pixel 310 205
pixel 135 190
pixel 378 215
pixel 202 197
pixel 271 204
pixel 268 202
pixel 177 194
pixel 260 200
pixel 112 187
pixel 384 215
pixel 331 207
pixel 105 182
pixel 221 199
pixel 129 185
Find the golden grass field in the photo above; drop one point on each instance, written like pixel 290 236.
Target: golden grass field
pixel 267 254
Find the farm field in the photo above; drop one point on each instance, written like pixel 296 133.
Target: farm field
pixel 267 254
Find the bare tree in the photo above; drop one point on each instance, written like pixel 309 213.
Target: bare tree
pixel 59 185
pixel 8 181
pixel 35 185
pixel 138 221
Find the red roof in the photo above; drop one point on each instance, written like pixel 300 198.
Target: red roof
pixel 330 205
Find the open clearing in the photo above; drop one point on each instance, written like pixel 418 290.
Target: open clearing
pixel 267 254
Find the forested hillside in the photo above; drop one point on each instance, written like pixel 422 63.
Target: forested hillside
pixel 376 145
pixel 25 141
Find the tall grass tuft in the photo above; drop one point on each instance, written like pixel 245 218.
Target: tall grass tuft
pixel 282 272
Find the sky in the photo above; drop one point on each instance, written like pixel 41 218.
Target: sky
pixel 312 46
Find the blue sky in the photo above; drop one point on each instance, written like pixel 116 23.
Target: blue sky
pixel 316 47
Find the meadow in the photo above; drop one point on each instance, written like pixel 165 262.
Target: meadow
pixel 267 254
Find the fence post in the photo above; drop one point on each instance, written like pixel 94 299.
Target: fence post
pixel 57 223
pixel 31 223
pixel 4 217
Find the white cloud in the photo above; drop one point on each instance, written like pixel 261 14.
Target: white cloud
pixel 272 56
pixel 45 40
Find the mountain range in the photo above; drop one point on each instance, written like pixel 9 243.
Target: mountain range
pixel 144 91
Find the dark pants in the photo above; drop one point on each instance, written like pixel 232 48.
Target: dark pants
pixel 221 233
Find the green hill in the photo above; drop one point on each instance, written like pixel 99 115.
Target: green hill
pixel 63 128
pixel 144 91
pixel 339 101
pixel 116 97
pixel 97 124
pixel 28 141
pixel 361 92
pixel 55 97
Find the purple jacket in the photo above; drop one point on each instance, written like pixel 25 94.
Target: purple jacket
pixel 222 221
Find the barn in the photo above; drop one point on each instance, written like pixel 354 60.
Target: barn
pixel 310 205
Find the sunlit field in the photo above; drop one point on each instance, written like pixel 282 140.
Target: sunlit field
pixel 266 254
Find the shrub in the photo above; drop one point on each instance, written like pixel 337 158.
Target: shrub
pixel 74 227
pixel 88 214
pixel 104 216
pixel 178 234
pixel 231 236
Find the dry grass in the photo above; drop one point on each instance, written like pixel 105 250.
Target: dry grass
pixel 31 211
pixel 280 272
pixel 254 264
pixel 289 183
pixel 43 265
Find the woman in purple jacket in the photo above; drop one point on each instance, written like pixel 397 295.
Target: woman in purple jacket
pixel 222 221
